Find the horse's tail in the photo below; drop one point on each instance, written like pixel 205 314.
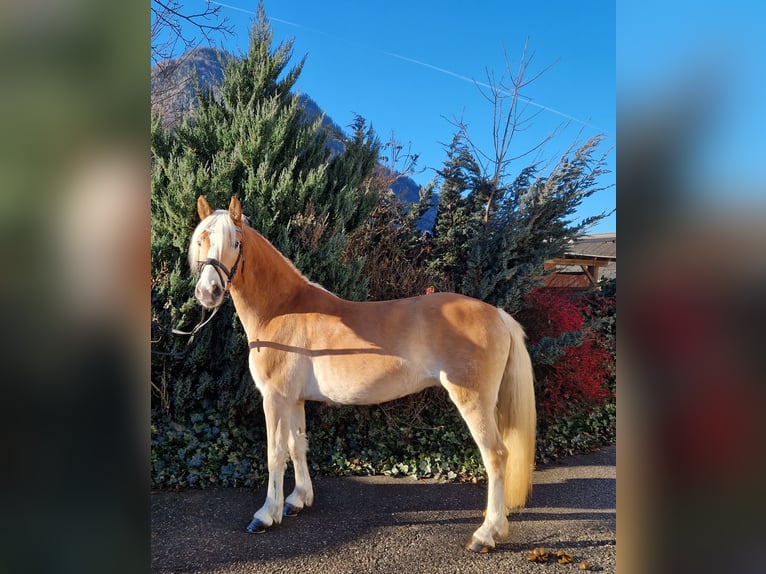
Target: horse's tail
pixel 516 417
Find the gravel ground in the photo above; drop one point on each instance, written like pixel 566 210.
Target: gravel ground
pixel 377 524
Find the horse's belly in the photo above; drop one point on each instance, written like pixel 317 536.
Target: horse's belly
pixel 366 381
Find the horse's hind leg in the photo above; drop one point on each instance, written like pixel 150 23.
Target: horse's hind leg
pixel 278 416
pixel 478 411
pixel 303 494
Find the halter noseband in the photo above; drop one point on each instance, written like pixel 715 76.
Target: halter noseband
pixel 218 266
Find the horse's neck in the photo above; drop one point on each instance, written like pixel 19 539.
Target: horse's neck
pixel 266 283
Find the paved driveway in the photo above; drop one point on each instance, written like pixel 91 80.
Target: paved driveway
pixel 380 524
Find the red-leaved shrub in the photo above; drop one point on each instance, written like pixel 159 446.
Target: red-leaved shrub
pixel 551 312
pixel 577 378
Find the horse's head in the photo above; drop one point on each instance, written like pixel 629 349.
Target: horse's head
pixel 215 251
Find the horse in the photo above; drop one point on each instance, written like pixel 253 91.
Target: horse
pixel 307 344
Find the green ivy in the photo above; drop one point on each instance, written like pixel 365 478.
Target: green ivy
pixel 578 434
pixel 421 436
pixel 206 450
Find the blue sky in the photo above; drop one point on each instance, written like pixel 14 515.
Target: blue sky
pixel 410 68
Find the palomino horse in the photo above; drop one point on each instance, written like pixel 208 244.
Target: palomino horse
pixel 306 344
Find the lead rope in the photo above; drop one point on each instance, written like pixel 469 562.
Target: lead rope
pixel 202 323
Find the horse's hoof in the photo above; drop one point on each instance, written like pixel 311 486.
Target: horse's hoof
pixel 256 527
pixel 477 547
pixel 291 510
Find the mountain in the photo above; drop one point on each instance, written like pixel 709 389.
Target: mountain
pixel 172 82
pixel 173 95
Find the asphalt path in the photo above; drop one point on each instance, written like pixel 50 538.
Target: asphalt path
pixel 382 524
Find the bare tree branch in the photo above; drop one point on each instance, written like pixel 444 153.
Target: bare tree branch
pixel 510 116
pixel 167 30
pixel 398 162
pixel 174 32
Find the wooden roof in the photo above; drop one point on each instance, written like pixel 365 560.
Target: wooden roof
pixel 589 259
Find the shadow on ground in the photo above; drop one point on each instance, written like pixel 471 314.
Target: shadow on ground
pixel 374 523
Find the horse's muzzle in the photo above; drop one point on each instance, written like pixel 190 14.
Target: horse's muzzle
pixel 209 296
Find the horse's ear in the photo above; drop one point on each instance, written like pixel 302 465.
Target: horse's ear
pixel 203 207
pixel 235 210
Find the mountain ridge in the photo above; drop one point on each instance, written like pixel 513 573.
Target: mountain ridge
pixel 173 95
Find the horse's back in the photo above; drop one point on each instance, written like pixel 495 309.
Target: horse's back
pixel 371 352
pixel 385 350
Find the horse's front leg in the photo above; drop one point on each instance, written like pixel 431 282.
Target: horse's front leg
pixel 278 415
pixel 303 494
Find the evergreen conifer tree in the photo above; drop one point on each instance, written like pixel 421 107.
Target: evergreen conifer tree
pixel 455 225
pixel 253 141
pixel 492 237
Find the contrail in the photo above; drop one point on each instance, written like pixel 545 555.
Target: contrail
pixel 246 11
pixel 412 61
pixel 484 85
